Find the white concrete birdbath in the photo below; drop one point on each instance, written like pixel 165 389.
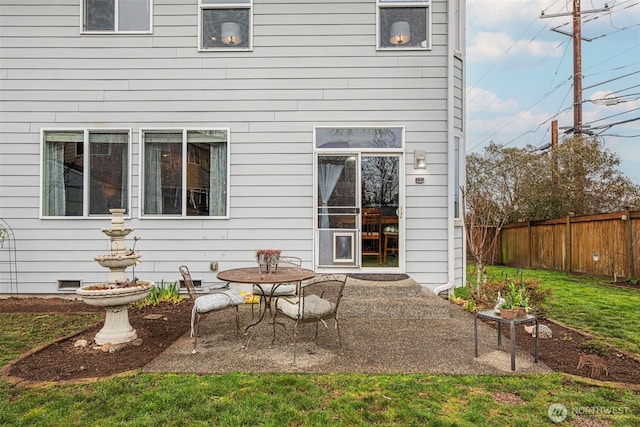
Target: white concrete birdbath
pixel 118 292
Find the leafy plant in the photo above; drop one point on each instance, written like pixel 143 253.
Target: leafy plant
pixel 595 347
pixel 164 292
pixel 533 295
pixel 515 296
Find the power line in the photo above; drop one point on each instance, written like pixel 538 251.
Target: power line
pixel 489 134
pixel 612 80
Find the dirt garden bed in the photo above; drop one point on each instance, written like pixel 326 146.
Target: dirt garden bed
pixel 161 325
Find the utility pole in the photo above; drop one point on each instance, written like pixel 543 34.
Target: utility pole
pixel 577 69
pixel 554 147
pixel 577 57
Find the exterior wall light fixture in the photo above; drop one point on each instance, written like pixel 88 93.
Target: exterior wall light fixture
pixel 420 159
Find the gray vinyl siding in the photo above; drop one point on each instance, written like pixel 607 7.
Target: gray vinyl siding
pixel 313 63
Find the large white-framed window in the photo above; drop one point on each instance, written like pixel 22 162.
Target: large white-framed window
pixel 85 172
pixel 225 24
pixel 404 24
pixel 185 172
pixel 117 16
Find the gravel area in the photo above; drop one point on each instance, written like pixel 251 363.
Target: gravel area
pixel 386 327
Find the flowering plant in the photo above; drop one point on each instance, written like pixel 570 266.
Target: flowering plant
pixel 268 259
pixel 267 254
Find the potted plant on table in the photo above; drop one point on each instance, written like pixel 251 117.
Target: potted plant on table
pixel 516 302
pixel 268 260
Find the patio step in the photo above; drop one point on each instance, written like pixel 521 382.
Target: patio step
pixel 392 300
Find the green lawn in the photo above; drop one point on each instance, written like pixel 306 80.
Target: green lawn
pixel 335 399
pixel 21 332
pixel 312 400
pixel 609 313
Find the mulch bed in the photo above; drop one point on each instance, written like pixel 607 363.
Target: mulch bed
pixel 62 361
pixel 562 352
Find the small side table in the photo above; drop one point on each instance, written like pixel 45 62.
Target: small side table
pixel 495 317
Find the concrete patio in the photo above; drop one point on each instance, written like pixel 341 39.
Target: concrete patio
pixel 386 327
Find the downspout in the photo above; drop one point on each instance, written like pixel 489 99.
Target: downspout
pixel 451 270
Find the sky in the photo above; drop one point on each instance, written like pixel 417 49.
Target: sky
pixel 519 74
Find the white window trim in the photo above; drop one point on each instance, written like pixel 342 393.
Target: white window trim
pixel 202 6
pixel 115 25
pixel 458 27
pixel 86 174
pixel 183 215
pixel 381 4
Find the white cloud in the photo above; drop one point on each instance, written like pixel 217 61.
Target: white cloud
pixel 503 14
pixel 489 47
pixel 480 100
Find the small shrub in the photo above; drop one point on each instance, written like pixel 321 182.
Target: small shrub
pixel 164 292
pixel 470 306
pixel 633 281
pixel 596 347
pixel 535 294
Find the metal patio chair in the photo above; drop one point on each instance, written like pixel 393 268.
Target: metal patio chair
pixel 315 302
pixel 208 303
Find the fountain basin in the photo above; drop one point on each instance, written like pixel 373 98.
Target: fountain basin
pixel 116 300
pixel 117 261
pixel 116 295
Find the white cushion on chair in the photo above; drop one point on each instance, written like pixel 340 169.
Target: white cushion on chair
pixel 281 290
pixel 217 301
pixel 314 306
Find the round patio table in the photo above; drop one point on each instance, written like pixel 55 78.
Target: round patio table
pixel 253 276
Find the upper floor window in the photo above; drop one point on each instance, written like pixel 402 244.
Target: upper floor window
pixel 85 172
pixel 185 172
pixel 117 16
pixel 363 138
pixel 225 24
pixel 404 24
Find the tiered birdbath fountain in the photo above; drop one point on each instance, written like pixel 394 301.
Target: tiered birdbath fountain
pixel 118 292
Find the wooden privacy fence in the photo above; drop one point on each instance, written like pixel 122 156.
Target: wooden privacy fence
pixel 602 245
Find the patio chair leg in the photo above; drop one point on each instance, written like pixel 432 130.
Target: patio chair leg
pixel 197 332
pixel 295 336
pixel 237 320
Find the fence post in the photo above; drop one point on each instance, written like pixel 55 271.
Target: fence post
pixel 530 245
pixel 627 251
pixel 568 243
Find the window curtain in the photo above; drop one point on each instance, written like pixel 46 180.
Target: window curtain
pixel 218 179
pixel 54 195
pixel 328 176
pixel 152 177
